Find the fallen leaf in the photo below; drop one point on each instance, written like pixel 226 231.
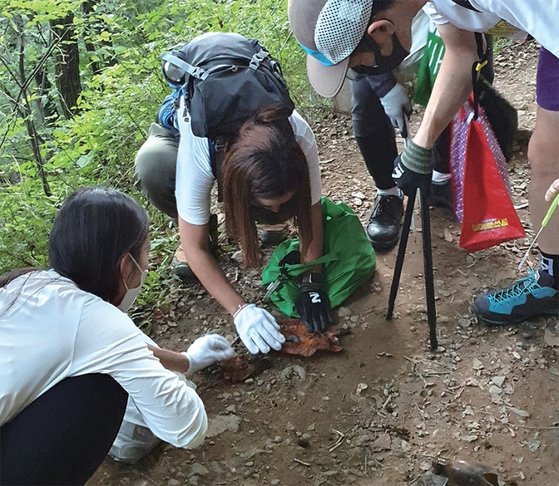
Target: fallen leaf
pixel 301 342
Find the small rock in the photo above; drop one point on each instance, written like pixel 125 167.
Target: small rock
pixel 534 445
pixel 238 256
pixel 198 470
pixel 295 370
pixel 382 443
pixel 518 411
pixel 406 447
pixel 360 388
pixel 551 338
pixel 498 380
pixel 469 438
pixel 477 364
pixel 495 390
pixel 221 423
pixel 344 312
pixel 303 442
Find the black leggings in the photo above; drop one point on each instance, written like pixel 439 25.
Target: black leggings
pixel 64 435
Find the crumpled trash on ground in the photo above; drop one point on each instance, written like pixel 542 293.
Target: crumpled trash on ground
pixel 299 341
pixel 465 473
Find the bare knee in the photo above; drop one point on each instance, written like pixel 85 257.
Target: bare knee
pixel 543 149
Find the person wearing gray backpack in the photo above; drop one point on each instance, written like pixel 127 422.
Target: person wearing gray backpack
pixel 231 120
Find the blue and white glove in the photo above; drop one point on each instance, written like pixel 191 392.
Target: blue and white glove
pixel 412 168
pixel 258 329
pixel 397 106
pixel 207 350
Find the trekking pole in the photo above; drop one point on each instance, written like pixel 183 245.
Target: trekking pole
pixel 427 264
pixel 401 254
pixel 428 270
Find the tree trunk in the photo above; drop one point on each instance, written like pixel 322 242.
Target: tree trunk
pixel 67 63
pixel 95 26
pixel 24 109
pixel 87 9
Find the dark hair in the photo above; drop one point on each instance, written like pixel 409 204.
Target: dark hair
pixel 264 161
pixel 92 230
pixel 10 275
pixel 380 5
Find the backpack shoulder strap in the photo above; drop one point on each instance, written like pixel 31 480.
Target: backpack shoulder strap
pixel 483 55
pixel 216 147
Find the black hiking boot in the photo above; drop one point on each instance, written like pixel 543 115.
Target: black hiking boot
pixel 383 228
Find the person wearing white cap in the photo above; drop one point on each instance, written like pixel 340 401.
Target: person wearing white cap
pixel 380 104
pixel 336 30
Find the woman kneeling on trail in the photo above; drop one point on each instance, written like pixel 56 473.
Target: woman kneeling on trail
pixel 70 356
pixel 269 172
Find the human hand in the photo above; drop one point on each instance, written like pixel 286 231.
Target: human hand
pixel 397 106
pixel 552 191
pixel 207 350
pixel 258 329
pixel 313 306
pixel 412 168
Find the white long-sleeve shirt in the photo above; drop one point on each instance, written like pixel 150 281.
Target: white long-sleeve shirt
pixel 51 330
pixel 536 17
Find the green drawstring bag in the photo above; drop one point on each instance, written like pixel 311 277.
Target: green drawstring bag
pixel 348 261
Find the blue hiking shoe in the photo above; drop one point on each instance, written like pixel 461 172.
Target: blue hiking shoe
pixel 527 297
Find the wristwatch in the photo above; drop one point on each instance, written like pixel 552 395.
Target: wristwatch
pixel 312 278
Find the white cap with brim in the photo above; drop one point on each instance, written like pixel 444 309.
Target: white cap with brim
pixel 329 31
pixel 326 80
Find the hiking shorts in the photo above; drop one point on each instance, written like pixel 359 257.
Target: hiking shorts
pixel 547 81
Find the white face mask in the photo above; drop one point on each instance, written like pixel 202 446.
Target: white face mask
pixel 131 294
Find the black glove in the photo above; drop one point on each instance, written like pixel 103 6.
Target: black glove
pixel 313 306
pixel 412 168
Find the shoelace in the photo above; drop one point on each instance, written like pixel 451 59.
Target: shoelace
pixel 522 286
pixel 381 206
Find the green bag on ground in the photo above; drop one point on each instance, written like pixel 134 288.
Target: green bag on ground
pixel 348 260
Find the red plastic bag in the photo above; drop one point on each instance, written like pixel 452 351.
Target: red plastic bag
pixel 480 181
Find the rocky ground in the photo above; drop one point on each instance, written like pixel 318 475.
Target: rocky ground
pixel 384 408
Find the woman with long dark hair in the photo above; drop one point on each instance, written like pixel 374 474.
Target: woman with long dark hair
pixel 70 356
pixel 269 173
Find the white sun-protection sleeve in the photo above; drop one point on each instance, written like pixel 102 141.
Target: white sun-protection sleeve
pixel 112 344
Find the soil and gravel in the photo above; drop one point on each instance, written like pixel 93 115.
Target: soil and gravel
pixel 381 410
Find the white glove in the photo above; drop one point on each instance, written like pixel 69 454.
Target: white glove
pixel 207 350
pixel 396 104
pixel 258 329
pixel 552 191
